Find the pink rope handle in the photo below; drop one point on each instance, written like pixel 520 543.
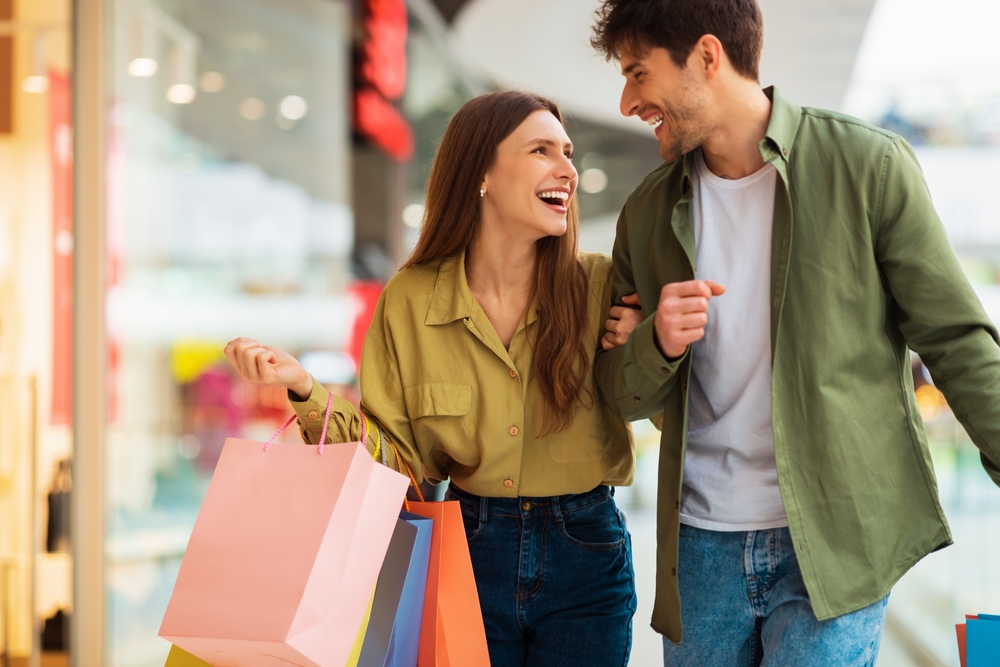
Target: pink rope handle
pixel 288 422
pixel 326 421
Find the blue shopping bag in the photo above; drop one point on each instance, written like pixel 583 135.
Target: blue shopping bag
pixel 982 641
pixel 393 636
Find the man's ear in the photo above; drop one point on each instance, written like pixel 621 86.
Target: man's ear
pixel 708 56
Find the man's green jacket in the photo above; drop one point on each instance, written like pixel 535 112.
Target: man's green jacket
pixel 861 270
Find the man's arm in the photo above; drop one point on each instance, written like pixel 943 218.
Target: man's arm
pixel 634 378
pixel 936 309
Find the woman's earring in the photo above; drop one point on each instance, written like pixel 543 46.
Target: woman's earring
pixel 482 193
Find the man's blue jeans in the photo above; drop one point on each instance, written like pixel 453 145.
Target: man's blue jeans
pixel 743 602
pixel 554 576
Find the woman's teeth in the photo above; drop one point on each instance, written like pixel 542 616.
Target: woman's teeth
pixel 654 120
pixel 554 197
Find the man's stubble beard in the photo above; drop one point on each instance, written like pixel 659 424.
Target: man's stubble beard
pixel 689 127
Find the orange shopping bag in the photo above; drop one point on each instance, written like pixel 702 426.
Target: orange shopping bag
pixel 452 632
pixel 284 555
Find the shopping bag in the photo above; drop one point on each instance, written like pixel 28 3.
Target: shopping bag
pixel 284 555
pixel 452 632
pixel 982 641
pixel 394 629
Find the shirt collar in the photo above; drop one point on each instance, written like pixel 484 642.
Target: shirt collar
pixel 777 143
pixel 452 299
pixel 781 129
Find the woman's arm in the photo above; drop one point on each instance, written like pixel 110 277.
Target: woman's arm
pixel 262 364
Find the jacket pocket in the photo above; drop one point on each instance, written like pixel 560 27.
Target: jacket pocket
pixel 438 399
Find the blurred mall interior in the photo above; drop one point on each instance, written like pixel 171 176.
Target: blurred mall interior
pixel 175 173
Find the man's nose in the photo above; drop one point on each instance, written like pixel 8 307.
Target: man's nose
pixel 629 103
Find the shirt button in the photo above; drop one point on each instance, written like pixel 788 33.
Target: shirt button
pixel 677 505
pixel 513 373
pixel 526 505
pixel 673 571
pixel 312 414
pixel 665 370
pixel 638 400
pixel 508 483
pixel 513 430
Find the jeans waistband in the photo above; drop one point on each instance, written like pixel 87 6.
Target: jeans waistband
pixel 558 504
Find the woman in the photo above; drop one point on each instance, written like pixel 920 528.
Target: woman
pixel 478 368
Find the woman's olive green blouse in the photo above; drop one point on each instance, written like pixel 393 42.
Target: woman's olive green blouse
pixel 439 382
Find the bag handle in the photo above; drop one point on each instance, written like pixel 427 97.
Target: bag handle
pixel 413 479
pixel 326 424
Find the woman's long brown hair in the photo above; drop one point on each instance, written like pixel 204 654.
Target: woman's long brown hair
pixel 453 213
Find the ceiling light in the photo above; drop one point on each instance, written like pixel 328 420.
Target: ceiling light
pixel 35 84
pixel 294 107
pixel 252 108
pixel 181 93
pixel 593 180
pixel 212 82
pixel 143 67
pixel 413 216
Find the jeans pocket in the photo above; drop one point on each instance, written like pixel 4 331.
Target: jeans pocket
pixel 597 527
pixel 473 526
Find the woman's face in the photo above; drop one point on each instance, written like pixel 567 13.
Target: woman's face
pixel 533 179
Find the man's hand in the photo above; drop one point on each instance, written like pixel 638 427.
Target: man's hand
pixel 622 321
pixel 682 314
pixel 268 365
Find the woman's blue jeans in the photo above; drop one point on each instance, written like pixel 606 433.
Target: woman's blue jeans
pixel 743 602
pixel 554 576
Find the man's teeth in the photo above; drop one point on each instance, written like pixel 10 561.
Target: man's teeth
pixel 555 194
pixel 654 120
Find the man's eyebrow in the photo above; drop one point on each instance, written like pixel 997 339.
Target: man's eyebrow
pixel 628 70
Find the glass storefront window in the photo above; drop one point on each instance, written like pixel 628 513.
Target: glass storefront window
pixel 228 214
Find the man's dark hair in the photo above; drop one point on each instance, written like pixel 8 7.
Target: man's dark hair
pixel 677 25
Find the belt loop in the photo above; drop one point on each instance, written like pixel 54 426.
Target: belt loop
pixel 484 509
pixel 556 509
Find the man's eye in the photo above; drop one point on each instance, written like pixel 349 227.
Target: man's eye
pixel 569 154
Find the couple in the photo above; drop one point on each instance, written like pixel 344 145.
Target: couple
pixel 795 483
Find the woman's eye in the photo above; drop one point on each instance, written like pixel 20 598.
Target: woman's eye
pixel 569 154
pixel 540 149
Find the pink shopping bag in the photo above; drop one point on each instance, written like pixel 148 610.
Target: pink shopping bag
pixel 284 555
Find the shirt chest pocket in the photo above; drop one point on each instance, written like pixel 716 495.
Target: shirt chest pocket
pixel 438 399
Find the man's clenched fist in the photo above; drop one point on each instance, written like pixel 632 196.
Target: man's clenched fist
pixel 682 314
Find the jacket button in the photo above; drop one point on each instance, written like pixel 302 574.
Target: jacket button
pixel 677 505
pixel 513 373
pixel 638 400
pixel 673 571
pixel 508 483
pixel 513 430
pixel 312 414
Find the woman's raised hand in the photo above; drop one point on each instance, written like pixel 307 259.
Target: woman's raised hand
pixel 268 365
pixel 622 321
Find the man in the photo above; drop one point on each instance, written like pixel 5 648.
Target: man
pixel 794 256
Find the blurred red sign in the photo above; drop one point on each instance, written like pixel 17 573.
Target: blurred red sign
pixel 382 79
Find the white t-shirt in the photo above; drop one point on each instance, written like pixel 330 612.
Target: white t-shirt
pixel 730 477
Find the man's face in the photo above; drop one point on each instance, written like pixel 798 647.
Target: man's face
pixel 672 99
